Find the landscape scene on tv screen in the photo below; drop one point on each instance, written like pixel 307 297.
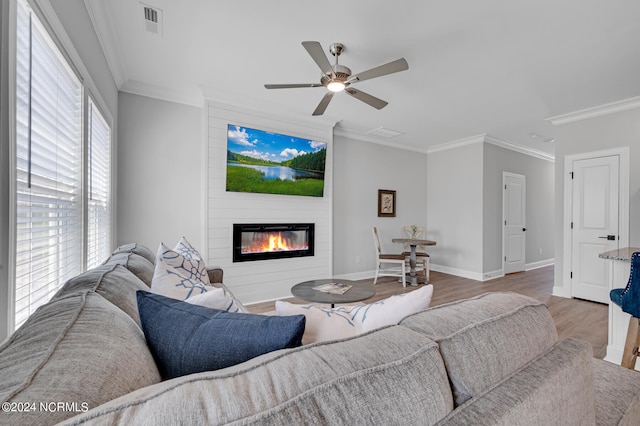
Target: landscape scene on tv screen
pixel 266 162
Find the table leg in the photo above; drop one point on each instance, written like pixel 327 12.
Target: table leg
pixel 412 266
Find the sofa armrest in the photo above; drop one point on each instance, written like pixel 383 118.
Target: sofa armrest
pixel 215 274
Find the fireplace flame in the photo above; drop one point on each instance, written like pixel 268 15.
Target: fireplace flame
pixel 273 242
pixel 276 243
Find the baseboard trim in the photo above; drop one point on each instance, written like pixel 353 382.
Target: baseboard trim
pixel 493 275
pixel 477 276
pixel 539 264
pixel 560 292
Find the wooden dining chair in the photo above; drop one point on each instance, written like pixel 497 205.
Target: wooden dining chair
pixel 399 268
pixel 422 257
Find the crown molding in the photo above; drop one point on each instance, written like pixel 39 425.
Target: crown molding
pixel 158 92
pixel 235 101
pixel 483 137
pixel 102 21
pixel 458 143
pixel 339 131
pixel 598 111
pixel 321 125
pixel 521 149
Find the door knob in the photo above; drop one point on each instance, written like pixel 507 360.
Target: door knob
pixel 524 229
pixel 609 237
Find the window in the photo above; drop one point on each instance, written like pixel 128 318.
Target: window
pixel 99 204
pixel 50 189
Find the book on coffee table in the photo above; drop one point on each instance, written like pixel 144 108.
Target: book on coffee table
pixel 333 288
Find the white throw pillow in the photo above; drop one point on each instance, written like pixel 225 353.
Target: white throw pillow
pixel 179 273
pixel 346 321
pixel 217 298
pixel 170 282
pixel 186 259
pixel 391 310
pixel 322 323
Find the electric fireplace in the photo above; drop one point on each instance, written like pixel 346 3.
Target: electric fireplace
pixel 262 241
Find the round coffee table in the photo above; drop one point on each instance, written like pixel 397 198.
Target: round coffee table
pixel 357 292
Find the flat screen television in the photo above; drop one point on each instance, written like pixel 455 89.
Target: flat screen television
pixel 272 163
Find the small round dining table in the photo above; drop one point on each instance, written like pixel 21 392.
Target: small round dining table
pixel 413 243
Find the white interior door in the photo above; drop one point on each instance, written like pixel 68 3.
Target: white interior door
pixel 513 213
pixel 595 197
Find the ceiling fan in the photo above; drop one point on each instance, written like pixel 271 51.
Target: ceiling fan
pixel 338 78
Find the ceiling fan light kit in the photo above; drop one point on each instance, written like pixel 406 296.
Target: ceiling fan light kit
pixel 336 86
pixel 337 78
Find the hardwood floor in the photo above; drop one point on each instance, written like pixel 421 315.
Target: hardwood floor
pixel 573 317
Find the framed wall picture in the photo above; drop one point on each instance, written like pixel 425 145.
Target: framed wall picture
pixel 386 203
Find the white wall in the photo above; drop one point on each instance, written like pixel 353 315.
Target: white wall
pixel 273 278
pixel 540 178
pixel 614 130
pixel 361 168
pixel 455 210
pixel 159 172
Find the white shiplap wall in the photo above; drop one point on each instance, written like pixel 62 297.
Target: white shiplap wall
pixel 269 279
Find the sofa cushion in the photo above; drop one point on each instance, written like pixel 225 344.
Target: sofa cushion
pixel 325 323
pixel 137 264
pixel 186 338
pixel 138 249
pixel 113 282
pixel 556 388
pixel 617 394
pixel 482 340
pixel 79 349
pixel 389 376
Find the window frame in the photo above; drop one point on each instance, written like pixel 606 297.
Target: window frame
pixel 47 17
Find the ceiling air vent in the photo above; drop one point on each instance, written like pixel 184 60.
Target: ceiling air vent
pixel 152 19
pixel 385 133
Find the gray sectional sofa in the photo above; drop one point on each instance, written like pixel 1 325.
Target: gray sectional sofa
pixel 491 360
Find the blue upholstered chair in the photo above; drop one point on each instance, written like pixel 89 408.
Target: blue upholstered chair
pixel 628 299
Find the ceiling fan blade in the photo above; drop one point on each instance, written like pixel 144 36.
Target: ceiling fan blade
pixel 366 98
pixel 317 54
pixel 323 103
pixel 388 68
pixel 292 86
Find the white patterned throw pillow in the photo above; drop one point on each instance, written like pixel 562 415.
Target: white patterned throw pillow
pixel 392 309
pixel 325 323
pixel 179 273
pixel 186 259
pixel 322 323
pixel 171 282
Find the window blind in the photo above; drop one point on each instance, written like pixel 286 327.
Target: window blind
pixel 99 203
pixel 48 168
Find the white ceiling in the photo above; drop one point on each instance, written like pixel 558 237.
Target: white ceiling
pixel 499 67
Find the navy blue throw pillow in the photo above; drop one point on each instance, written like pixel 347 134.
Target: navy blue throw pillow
pixel 185 338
